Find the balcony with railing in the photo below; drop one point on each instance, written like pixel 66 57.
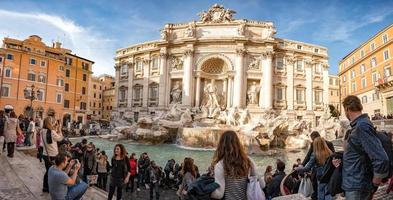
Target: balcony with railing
pixel 384 83
pixel 137 102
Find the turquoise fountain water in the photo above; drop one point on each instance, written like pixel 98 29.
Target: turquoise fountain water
pixel 163 152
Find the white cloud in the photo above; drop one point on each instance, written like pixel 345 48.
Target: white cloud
pixel 83 41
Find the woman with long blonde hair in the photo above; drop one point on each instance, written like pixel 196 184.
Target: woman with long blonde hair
pixel 231 168
pixel 321 153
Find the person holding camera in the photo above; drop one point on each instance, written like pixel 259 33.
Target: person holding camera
pixel 61 186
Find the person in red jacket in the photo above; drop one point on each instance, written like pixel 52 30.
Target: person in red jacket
pixel 133 171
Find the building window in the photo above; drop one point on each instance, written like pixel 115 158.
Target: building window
pixel 43 63
pixel 68 61
pixel 375 96
pixel 10 57
pixel 280 62
pixel 372 46
pixel 100 96
pixel 94 86
pixel 67 73
pixel 94 95
pixel 5 90
pixel 32 61
pixel 362 53
pixel 387 72
pixel 155 63
pixel 386 54
pixel 330 81
pixel 82 106
pixel 85 66
pixel 153 92
pixel 279 93
pixel 8 72
pixel 364 84
pixel 31 76
pixel 385 38
pixel 318 97
pixel 318 68
pixel 353 60
pixel 94 104
pixel 60 82
pixel 344 78
pixel 83 90
pixel 299 47
pixel 61 68
pixel 374 77
pixel 99 105
pixel 66 87
pixel 66 103
pixel 362 68
pixel 40 95
pixel 299 96
pixel 84 78
pixel 316 50
pixel 299 65
pixel 59 97
pixel 42 78
pixel 138 66
pixel 373 62
pixel 364 99
pixel 124 70
pixel 353 74
pixel 1 60
pixel 353 87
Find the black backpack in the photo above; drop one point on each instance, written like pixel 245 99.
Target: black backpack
pixel 387 145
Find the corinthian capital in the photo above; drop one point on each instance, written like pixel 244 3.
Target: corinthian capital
pixel 163 55
pixel 146 61
pixel 291 60
pixel 241 52
pixel 308 62
pixel 267 54
pixel 189 52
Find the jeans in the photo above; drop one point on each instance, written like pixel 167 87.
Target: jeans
pixel 48 164
pixel 2 142
pixel 155 187
pixel 358 195
pixel 76 191
pixel 141 179
pixel 10 149
pixel 102 180
pixel 131 183
pixel 322 190
pixel 115 183
pixel 27 139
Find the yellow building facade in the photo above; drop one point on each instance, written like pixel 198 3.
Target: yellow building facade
pixel 367 73
pixel 57 75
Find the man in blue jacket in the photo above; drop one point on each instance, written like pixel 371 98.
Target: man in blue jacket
pixel 361 173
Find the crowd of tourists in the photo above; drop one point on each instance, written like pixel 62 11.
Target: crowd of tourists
pixel 356 173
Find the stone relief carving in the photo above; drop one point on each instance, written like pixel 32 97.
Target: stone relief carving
pixel 268 33
pixel 252 94
pixel 176 93
pixel 177 63
pixel 216 14
pixel 254 64
pixel 241 30
pixel 190 31
pixel 164 34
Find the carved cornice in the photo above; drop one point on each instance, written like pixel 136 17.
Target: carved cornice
pixel 163 55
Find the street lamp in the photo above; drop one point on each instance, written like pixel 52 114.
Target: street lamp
pixel 31 96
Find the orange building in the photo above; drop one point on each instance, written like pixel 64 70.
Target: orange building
pixel 367 73
pixel 97 87
pixel 108 100
pixel 54 74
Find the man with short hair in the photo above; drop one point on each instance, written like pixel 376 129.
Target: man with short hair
pixel 361 174
pixel 273 188
pixel 61 186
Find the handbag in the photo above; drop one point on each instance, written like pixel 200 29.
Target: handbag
pixel 92 179
pixel 46 149
pixel 305 187
pixel 254 190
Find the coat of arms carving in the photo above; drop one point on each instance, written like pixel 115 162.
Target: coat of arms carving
pixel 216 14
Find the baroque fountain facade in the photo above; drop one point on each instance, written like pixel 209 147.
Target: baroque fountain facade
pixel 219 73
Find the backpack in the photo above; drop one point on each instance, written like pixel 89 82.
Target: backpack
pixel 387 145
pixel 2 125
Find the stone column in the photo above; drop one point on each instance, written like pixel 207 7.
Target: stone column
pixel 187 78
pixel 163 80
pixel 117 80
pixel 130 84
pixel 290 82
pixel 146 74
pixel 325 96
pixel 239 99
pixel 229 94
pixel 266 94
pixel 198 91
pixel 309 87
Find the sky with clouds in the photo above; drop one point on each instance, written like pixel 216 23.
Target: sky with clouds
pixel 96 28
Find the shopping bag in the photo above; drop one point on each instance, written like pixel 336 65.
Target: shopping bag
pixel 305 187
pixel 254 190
